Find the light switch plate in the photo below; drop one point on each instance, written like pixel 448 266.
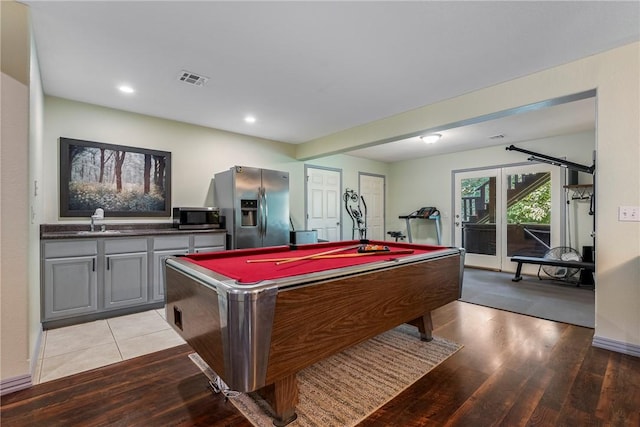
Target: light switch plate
pixel 629 213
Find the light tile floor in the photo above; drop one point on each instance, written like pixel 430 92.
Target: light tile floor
pixel 78 348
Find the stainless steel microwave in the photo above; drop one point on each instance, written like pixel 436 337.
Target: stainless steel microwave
pixel 197 218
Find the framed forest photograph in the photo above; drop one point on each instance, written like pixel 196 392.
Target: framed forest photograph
pixel 124 181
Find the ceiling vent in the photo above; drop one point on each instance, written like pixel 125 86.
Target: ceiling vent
pixel 192 78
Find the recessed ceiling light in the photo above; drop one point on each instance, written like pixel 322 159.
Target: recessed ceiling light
pixel 126 89
pixel 430 139
pixel 250 119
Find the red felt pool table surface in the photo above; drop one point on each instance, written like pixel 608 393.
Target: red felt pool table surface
pixel 241 266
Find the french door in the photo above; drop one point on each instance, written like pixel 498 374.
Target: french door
pixel 477 219
pixel 507 211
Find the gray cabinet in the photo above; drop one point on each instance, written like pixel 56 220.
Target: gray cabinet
pixel 70 279
pixel 163 248
pixel 88 276
pixel 84 279
pixel 125 273
pixel 166 246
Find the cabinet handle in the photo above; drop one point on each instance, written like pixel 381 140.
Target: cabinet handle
pixel 107 263
pixel 93 264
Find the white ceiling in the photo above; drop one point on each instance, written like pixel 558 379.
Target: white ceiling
pixel 309 69
pixel 538 123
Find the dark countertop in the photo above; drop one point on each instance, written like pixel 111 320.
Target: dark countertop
pixel 81 231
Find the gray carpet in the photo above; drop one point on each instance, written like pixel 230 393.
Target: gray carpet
pixel 545 299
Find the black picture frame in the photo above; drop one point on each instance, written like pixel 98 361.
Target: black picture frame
pixel 123 181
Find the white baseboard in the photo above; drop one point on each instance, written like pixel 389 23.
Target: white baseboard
pixel 11 385
pixel 14 384
pixel 33 362
pixel 617 346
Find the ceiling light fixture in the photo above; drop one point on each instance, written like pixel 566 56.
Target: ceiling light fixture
pixel 430 139
pixel 126 89
pixel 250 119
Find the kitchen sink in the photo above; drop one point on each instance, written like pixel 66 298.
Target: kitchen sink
pixel 99 233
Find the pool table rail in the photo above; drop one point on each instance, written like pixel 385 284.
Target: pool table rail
pixel 257 337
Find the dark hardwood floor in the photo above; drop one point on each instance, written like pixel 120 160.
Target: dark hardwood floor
pixel 513 370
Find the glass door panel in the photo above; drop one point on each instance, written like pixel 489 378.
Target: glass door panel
pixel 533 215
pixel 528 213
pixel 477 219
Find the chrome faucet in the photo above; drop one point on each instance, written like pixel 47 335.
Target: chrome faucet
pixel 98 214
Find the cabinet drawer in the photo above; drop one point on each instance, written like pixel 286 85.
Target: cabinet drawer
pixel 122 246
pixel 208 240
pixel 70 248
pixel 170 242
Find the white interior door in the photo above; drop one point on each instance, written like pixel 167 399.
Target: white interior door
pixel 372 192
pixel 323 202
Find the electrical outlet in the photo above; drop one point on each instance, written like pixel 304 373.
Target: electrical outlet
pixel 629 213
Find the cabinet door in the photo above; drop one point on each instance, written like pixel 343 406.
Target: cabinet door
pixel 70 287
pixel 158 271
pixel 125 280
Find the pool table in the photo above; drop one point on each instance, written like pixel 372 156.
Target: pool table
pixel 258 316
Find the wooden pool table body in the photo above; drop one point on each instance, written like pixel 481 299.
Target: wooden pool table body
pixel 257 336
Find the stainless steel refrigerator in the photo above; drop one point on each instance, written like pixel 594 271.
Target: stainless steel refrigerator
pixel 255 204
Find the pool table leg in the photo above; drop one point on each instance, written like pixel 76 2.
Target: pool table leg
pixel 283 397
pixel 425 326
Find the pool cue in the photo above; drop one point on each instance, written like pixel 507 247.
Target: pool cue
pixel 318 254
pixel 404 251
pixel 286 260
pixel 291 259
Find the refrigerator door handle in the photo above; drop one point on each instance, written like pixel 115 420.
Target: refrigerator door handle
pixel 265 207
pixel 263 212
pixel 260 213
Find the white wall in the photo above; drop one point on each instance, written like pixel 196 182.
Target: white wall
pixel 13 220
pixel 197 154
pixel 428 182
pixel 36 180
pixel 614 74
pixel 14 203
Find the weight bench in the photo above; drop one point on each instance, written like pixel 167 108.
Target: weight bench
pixel 583 265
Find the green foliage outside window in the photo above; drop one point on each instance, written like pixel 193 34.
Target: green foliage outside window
pixel 534 208
pixel 470 187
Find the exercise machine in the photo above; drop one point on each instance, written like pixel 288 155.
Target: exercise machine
pixel 354 203
pixel 561 262
pixel 428 213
